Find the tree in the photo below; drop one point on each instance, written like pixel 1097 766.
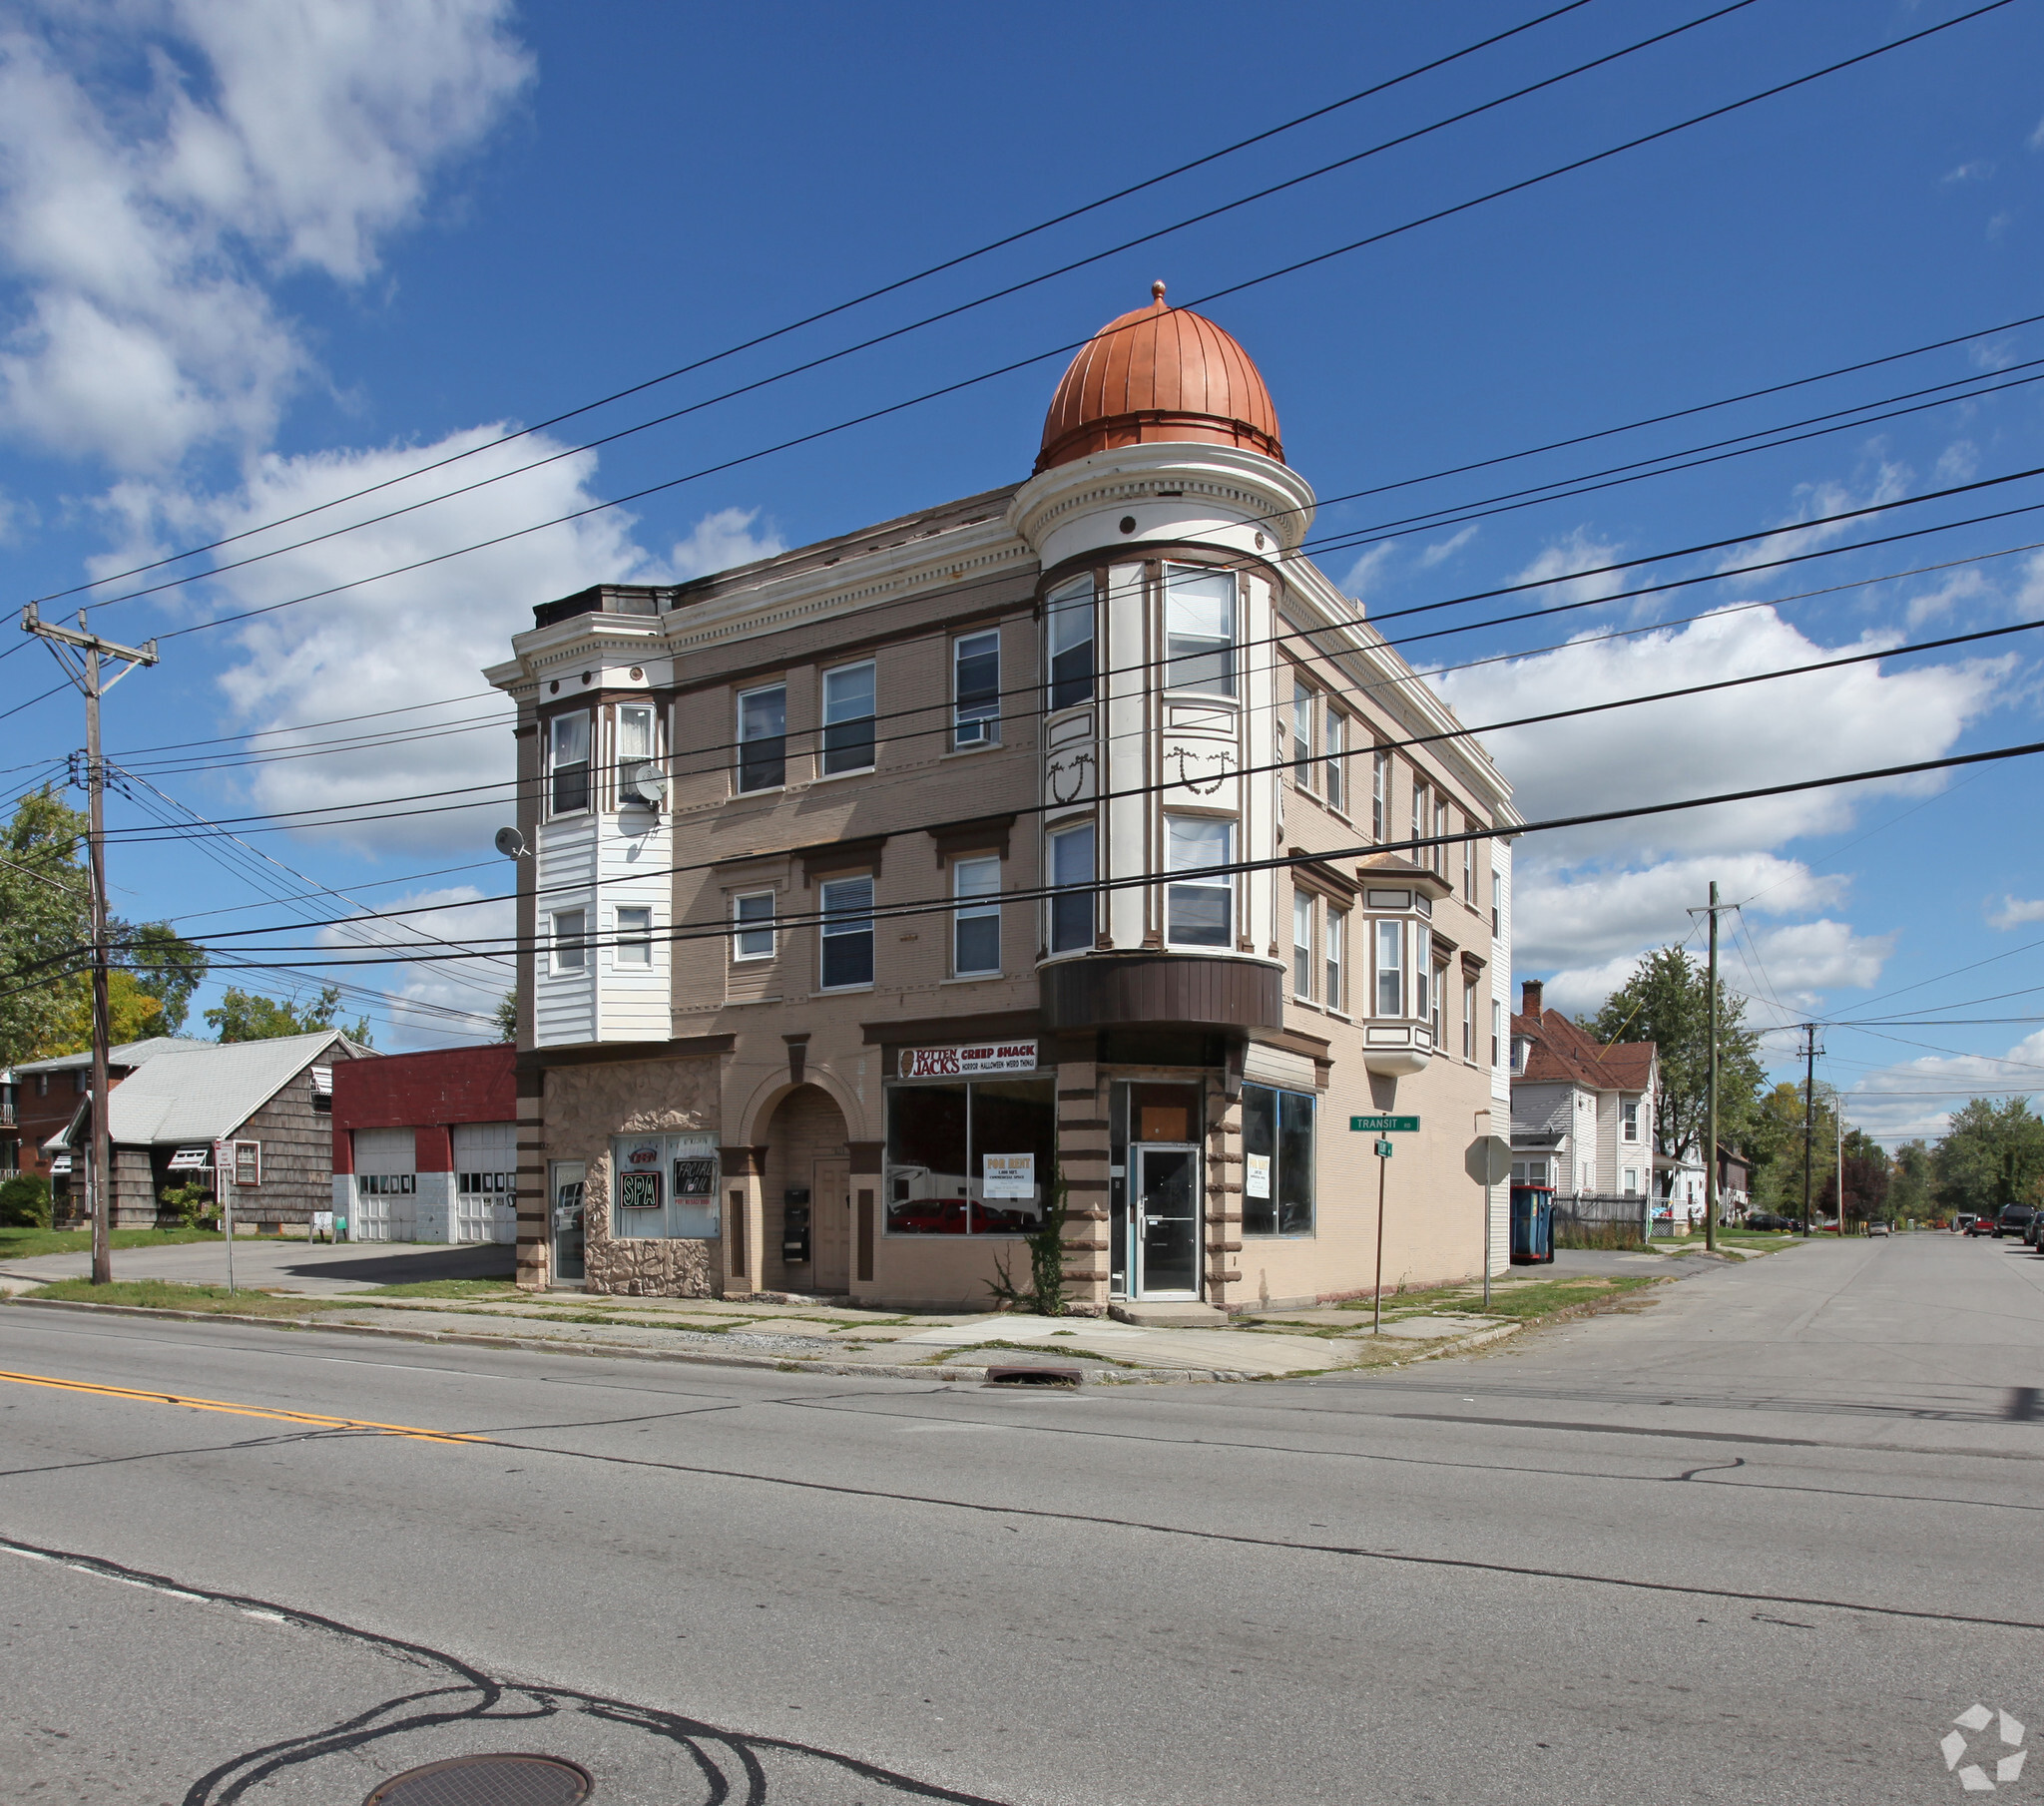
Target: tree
pixel 1992 1156
pixel 245 1016
pixel 1774 1142
pixel 1667 1001
pixel 1910 1181
pixel 133 1013
pixel 507 1015
pixel 166 965
pixel 45 924
pixel 1869 1176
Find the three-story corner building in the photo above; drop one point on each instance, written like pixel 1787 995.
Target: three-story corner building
pixel 879 889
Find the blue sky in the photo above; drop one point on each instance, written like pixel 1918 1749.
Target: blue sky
pixel 254 256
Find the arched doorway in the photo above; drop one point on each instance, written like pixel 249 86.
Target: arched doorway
pixel 808 1171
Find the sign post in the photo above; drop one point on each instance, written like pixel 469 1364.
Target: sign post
pixel 1382 1128
pixel 222 1189
pixel 1487 1162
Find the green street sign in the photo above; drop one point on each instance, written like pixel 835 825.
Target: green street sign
pixel 1383 1151
pixel 1384 1126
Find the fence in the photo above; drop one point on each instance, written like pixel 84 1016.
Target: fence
pixel 1597 1220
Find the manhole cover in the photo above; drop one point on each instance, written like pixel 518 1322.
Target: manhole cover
pixel 486 1781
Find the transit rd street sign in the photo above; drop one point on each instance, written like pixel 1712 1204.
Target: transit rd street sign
pixel 1384 1126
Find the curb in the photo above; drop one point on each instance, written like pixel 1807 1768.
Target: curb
pixel 700 1357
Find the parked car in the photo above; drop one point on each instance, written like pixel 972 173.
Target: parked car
pixel 1962 1222
pixel 2013 1221
pixel 1770 1222
pixel 1979 1226
pixel 1877 1226
pixel 2033 1236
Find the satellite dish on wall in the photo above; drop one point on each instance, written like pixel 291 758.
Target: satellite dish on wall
pixel 510 842
pixel 645 782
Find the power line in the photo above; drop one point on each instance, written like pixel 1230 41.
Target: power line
pixel 958 386
pixel 871 295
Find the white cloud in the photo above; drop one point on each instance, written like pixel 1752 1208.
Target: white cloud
pixel 1369 570
pixel 1835 720
pixel 1799 961
pixel 1442 550
pixel 721 542
pixel 404 639
pixel 472 986
pixel 1977 170
pixel 160 161
pixel 1997 357
pixel 1959 462
pixel 2015 912
pixel 1890 484
pixel 1917 1096
pixel 2029 599
pixel 1577 552
pixel 1960 586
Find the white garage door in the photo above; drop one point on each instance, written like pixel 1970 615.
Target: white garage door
pixel 386 1184
pixel 485 1181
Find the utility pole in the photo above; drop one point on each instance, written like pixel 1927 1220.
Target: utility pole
pixel 79 652
pixel 1713 909
pixel 1809 1053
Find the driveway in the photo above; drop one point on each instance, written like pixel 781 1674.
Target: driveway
pixel 292 1266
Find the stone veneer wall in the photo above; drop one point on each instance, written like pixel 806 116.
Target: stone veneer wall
pixel 584 1107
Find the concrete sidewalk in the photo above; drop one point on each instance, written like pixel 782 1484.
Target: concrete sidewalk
pixel 318 1269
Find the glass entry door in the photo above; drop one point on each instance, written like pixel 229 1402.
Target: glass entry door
pixel 1164 1219
pixel 564 1184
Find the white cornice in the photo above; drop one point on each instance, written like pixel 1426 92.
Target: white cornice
pixel 1168 486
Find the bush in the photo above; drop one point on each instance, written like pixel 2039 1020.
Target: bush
pixel 25 1202
pixel 191 1203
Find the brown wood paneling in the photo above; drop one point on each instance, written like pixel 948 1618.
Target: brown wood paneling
pixel 1125 989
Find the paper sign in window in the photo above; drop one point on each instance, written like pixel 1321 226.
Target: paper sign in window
pixel 1009 1176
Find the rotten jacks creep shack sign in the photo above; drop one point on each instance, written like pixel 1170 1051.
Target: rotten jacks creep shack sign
pixel 957 1063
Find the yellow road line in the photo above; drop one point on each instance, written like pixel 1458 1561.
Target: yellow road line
pixel 311 1418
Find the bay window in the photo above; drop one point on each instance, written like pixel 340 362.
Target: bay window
pixel 1198 901
pixel 568 762
pixel 1198 630
pixel 1071 875
pixel 977 922
pixel 1390 967
pixel 847 936
pixel 848 718
pixel 1070 640
pixel 763 737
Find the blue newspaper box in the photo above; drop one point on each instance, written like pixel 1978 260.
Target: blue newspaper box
pixel 1532 1224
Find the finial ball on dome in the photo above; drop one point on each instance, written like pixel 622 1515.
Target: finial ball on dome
pixel 1157 289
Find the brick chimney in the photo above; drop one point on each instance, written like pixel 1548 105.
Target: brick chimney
pixel 1529 998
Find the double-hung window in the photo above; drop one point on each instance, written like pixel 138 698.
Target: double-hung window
pixel 1071 645
pixel 1440 861
pixel 634 936
pixel 1302 736
pixel 848 937
pixel 1301 945
pixel 570 944
pixel 1390 967
pixel 1468 1020
pixel 1497 900
pixel 1420 816
pixel 763 737
pixel 1337 934
pixel 752 919
pixel 1497 1031
pixel 1071 876
pixel 1380 793
pixel 1469 871
pixel 976 691
pixel 1422 1001
pixel 976 921
pixel 568 762
pixel 1630 1110
pixel 248 1162
pixel 848 718
pixel 1198 900
pixel 1437 1005
pixel 1333 778
pixel 1198 630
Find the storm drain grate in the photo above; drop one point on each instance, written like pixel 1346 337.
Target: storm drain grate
pixel 1034 1376
pixel 487 1781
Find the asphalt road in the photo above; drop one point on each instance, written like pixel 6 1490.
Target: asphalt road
pixel 1762 1540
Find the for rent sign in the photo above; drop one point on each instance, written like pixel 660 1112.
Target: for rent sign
pixel 984 1057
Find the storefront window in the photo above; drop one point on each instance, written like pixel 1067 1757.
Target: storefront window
pixel 1277 1162
pixel 665 1187
pixel 971 1157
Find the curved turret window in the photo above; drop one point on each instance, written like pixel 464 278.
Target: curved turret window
pixel 1071 645
pixel 1198 630
pixel 1198 901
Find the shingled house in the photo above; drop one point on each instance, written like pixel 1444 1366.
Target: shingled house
pixel 1582 1113
pixel 250 1119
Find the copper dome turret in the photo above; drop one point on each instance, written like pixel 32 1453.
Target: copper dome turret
pixel 1159 374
